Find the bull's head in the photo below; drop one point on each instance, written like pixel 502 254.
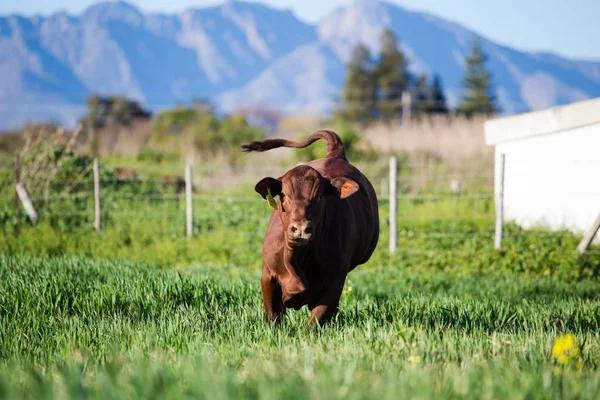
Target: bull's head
pixel 303 194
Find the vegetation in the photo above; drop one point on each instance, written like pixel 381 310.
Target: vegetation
pixel 74 327
pixel 197 133
pixel 392 77
pixel 422 95
pixel 359 96
pixel 449 234
pixel 478 96
pixel 438 98
pixel 374 90
pixel 10 142
pixel 139 310
pixel 112 109
pixel 56 161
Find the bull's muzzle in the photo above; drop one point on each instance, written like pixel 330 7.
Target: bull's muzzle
pixel 300 233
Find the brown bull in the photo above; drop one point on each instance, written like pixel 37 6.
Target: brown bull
pixel 325 223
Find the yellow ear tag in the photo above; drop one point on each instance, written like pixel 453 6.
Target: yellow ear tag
pixel 271 200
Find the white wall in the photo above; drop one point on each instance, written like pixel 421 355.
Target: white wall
pixel 553 180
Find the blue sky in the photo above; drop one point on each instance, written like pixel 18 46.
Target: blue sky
pixel 566 27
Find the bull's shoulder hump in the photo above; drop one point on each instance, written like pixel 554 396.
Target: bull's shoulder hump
pixel 334 167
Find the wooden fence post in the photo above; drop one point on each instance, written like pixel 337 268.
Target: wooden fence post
pixel 189 207
pixel 17 181
pixel 23 195
pixel 96 195
pixel 500 203
pixel 589 236
pixel 393 204
pixel 406 102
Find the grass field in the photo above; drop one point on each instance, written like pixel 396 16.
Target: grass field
pixel 140 311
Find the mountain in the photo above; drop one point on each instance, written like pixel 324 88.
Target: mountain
pixel 241 54
pixel 524 81
pixel 53 63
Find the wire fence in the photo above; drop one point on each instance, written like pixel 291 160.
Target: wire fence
pixel 450 207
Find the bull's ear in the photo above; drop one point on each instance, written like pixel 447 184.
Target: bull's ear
pixel 343 187
pixel 268 184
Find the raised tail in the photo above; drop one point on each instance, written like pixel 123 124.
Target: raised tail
pixel 335 146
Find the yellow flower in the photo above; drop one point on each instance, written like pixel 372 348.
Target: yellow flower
pixel 414 360
pixel 347 291
pixel 565 349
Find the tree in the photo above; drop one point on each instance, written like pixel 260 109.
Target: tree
pixel 478 94
pixel 360 89
pixel 437 100
pixel 112 109
pixel 422 96
pixel 429 100
pixel 392 77
pixel 235 131
pixel 96 111
pixel 197 130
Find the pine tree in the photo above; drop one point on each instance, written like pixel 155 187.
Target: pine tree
pixel 360 89
pixel 429 100
pixel 392 77
pixel 437 100
pixel 422 96
pixel 478 96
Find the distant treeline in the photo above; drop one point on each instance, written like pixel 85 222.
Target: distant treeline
pixel 382 89
pixel 182 132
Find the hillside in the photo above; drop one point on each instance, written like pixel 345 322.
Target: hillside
pixel 240 54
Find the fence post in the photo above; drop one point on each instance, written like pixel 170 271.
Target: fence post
pixel 589 236
pixel 189 207
pixel 27 203
pixel 455 186
pixel 96 169
pixel 406 102
pixel 17 181
pixel 500 202
pixel 393 204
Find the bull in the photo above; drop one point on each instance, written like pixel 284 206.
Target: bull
pixel 324 224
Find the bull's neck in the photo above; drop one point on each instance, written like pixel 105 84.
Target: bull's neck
pixel 297 256
pixel 295 260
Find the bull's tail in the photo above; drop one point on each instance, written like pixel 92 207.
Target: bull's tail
pixel 335 146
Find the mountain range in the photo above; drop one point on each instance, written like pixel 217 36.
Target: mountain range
pixel 247 54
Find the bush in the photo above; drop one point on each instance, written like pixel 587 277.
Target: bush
pixel 197 131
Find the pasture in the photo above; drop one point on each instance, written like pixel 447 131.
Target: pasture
pixel 139 310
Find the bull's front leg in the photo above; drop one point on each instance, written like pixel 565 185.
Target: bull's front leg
pixel 271 290
pixel 328 305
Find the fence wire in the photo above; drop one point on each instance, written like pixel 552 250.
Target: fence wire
pixel 462 206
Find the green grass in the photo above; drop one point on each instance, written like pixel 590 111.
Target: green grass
pixel 139 310
pixel 80 328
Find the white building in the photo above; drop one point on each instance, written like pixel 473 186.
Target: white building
pixel 552 167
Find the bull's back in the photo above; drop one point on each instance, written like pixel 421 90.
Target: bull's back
pixel 360 210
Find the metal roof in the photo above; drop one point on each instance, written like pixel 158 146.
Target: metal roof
pixel 542 122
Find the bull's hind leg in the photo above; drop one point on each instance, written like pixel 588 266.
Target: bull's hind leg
pixel 273 303
pixel 328 305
